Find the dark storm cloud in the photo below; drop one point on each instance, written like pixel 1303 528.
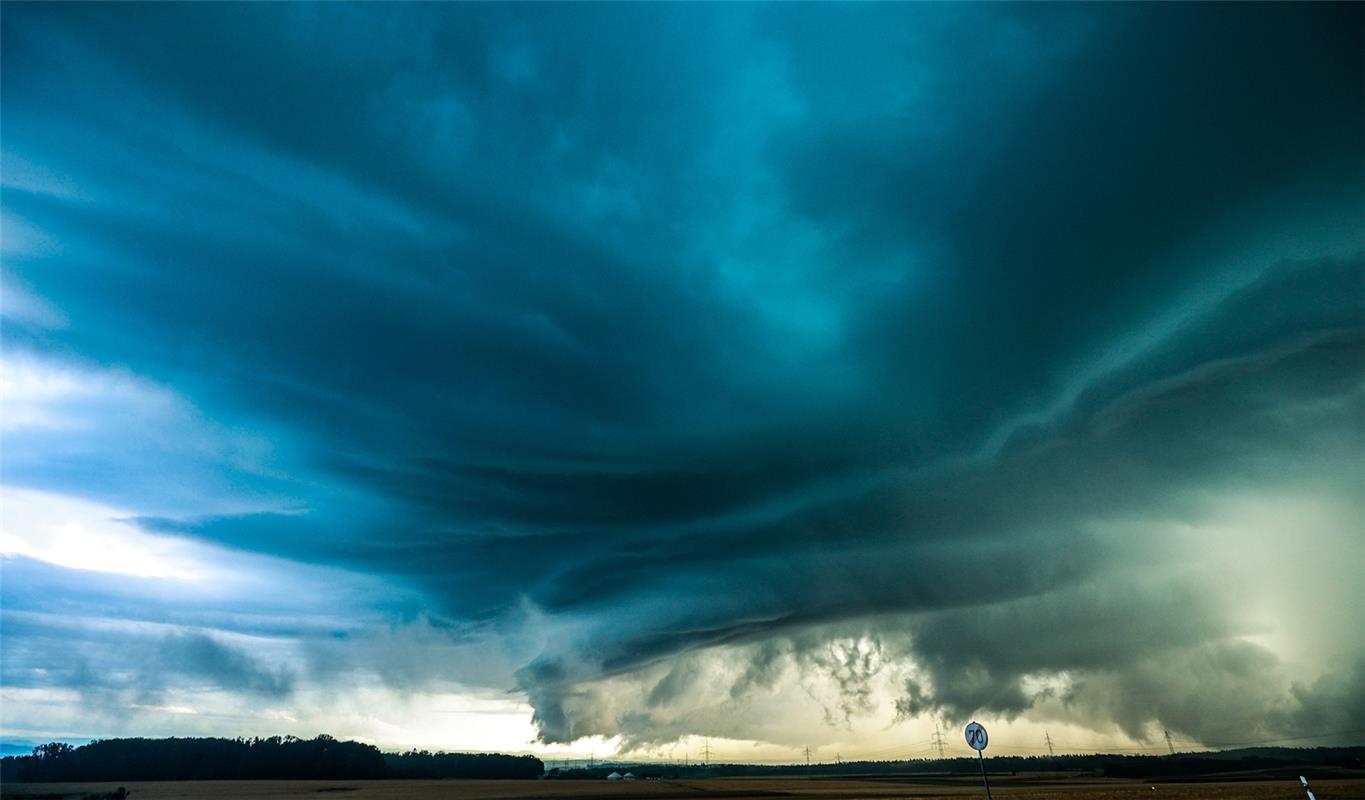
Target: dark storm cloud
pixel 695 326
pixel 1042 563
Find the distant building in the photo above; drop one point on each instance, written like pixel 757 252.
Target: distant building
pixel 616 776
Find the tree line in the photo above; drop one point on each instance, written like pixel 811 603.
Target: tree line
pixel 1280 762
pixel 273 758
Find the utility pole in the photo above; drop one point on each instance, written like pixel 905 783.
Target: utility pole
pixel 1048 737
pixel 938 739
pixel 1168 742
pixel 706 752
pixel 838 759
pixel 808 756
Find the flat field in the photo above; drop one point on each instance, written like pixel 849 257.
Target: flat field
pixel 871 788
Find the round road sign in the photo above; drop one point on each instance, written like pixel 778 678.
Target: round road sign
pixel 976 736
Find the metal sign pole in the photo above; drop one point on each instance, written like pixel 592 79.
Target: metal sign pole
pixel 977 738
pixel 981 758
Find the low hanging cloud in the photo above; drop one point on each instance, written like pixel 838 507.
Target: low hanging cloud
pixel 115 671
pixel 1070 556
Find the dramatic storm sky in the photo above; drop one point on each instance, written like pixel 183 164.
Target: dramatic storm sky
pixel 586 377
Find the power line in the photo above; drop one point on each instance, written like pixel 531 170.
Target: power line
pixel 1151 748
pixel 895 748
pixel 1283 739
pixel 706 753
pixel 938 739
pixel 928 748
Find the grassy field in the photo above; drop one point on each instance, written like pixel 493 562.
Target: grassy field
pixel 1022 788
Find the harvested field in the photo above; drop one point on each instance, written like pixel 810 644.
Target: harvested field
pixel 1078 788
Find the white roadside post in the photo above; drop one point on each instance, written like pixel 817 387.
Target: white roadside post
pixel 1306 789
pixel 976 739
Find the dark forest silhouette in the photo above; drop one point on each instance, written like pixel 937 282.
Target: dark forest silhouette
pixel 1280 763
pixel 287 757
pixel 278 757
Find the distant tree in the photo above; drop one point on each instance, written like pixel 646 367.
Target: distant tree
pixel 276 757
pixel 196 759
pixel 424 764
pixel 53 751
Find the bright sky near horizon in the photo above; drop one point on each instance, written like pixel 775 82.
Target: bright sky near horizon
pixel 580 378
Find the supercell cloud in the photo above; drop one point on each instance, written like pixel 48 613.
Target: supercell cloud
pixel 781 374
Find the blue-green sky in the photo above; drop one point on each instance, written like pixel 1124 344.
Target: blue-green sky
pixel 575 377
